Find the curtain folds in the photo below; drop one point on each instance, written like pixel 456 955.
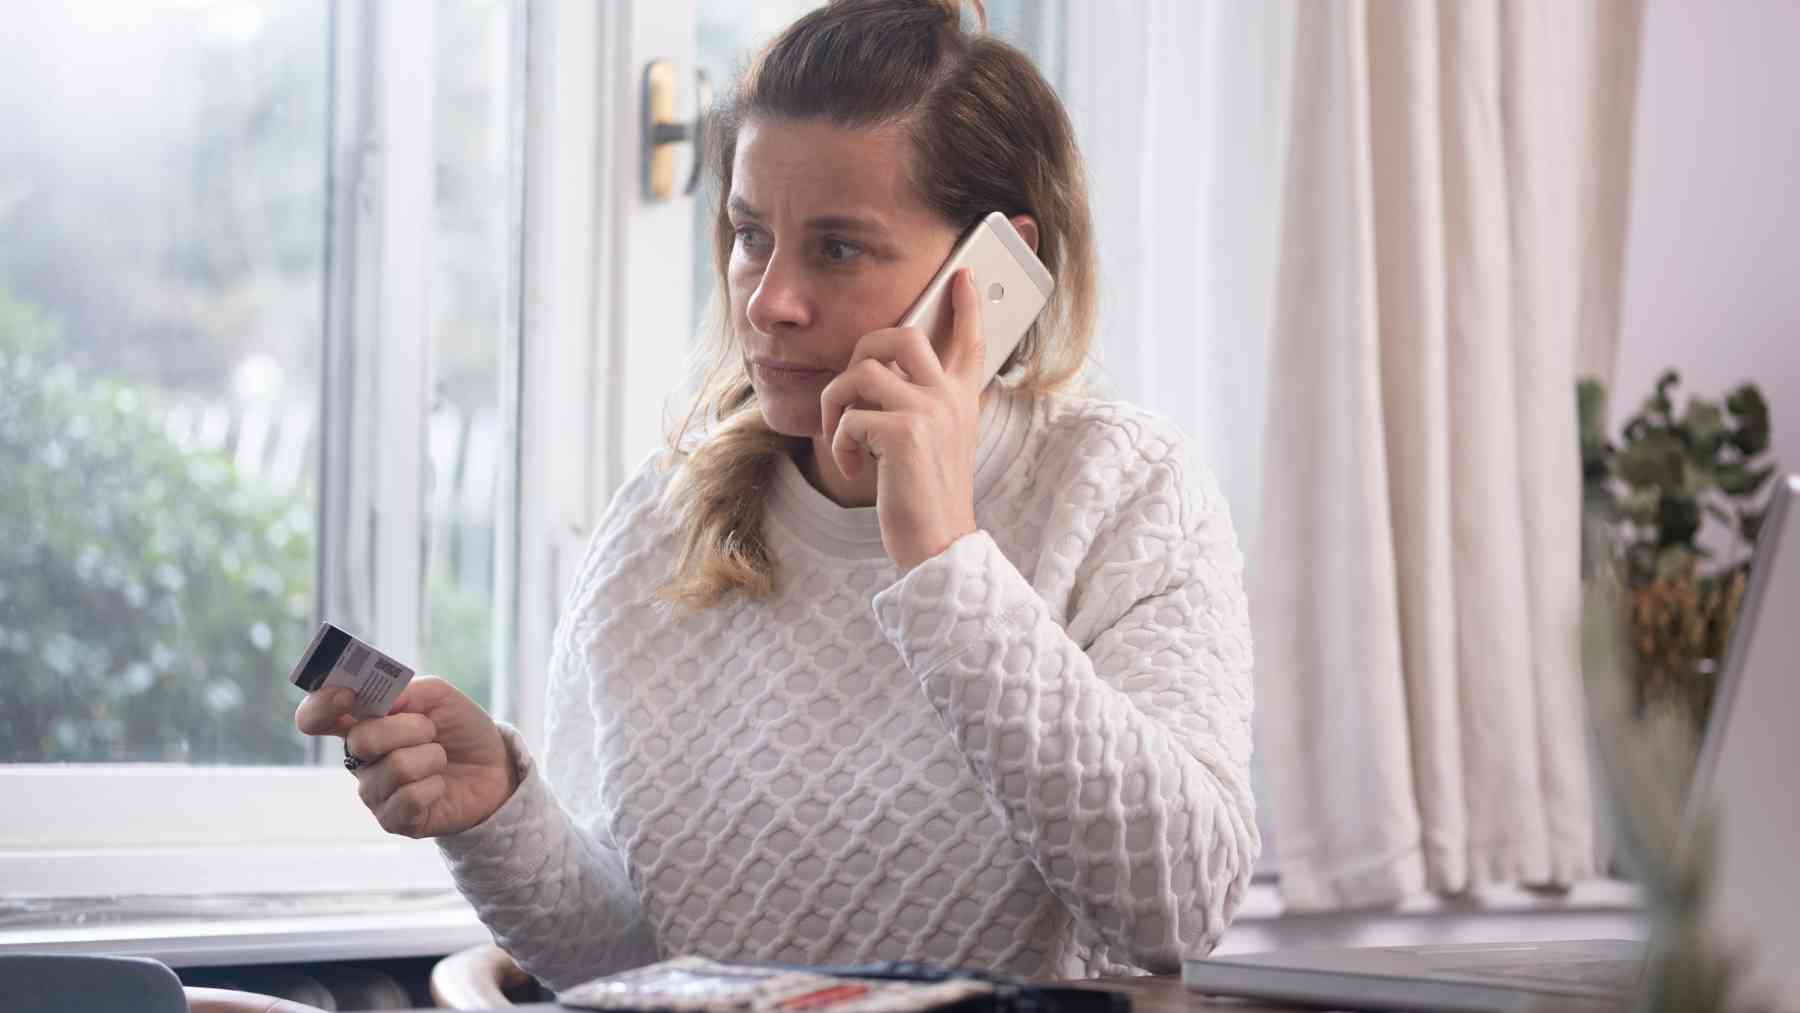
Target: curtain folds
pixel 1360 251
pixel 1449 262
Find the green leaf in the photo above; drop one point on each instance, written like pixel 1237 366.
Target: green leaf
pixel 1704 428
pixel 1697 478
pixel 1590 402
pixel 1677 519
pixel 1654 459
pixel 1736 480
pixel 1659 402
pixel 1639 506
pixel 1703 419
pixel 1747 406
pixel 1747 399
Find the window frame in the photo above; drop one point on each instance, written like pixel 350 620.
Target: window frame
pixel 154 830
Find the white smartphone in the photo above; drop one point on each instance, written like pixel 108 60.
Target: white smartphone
pixel 1013 285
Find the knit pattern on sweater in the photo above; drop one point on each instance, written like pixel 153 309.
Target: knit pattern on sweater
pixel 1029 754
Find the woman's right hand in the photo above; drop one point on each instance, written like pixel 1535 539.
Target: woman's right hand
pixel 435 765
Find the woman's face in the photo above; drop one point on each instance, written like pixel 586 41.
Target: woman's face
pixel 831 243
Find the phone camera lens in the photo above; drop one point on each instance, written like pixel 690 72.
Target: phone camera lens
pixel 996 292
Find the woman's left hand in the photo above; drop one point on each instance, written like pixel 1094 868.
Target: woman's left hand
pixel 919 418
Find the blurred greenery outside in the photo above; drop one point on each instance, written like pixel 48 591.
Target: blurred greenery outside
pixel 149 599
pixel 152 601
pixel 162 199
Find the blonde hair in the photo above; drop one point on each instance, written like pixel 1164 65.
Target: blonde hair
pixel 989 134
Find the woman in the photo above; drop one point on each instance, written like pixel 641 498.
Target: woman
pixel 876 663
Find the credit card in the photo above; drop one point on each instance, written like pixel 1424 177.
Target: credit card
pixel 338 659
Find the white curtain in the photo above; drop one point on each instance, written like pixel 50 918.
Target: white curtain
pixel 1361 250
pixel 1178 105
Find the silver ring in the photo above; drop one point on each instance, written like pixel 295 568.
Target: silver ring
pixel 350 761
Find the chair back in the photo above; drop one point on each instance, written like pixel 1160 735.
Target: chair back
pixel 83 983
pixel 476 978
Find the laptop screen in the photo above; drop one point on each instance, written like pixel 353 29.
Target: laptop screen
pixel 1749 772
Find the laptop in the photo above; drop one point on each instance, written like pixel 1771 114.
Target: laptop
pixel 1748 761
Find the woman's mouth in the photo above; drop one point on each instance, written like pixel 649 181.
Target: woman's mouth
pixel 789 375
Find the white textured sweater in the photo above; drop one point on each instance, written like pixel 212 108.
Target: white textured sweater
pixel 1030 754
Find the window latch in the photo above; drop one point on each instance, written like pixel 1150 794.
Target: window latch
pixel 663 132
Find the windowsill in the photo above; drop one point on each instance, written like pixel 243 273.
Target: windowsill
pixel 185 942
pixel 1596 909
pixel 1600 909
pixel 1263 903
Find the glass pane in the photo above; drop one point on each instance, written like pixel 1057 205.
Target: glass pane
pixel 162 196
pixel 473 323
pixel 1034 26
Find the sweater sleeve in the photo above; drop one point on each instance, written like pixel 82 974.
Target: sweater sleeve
pixel 1122 763
pixel 558 899
pixel 557 892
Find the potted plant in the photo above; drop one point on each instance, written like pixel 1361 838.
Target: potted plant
pixel 1649 500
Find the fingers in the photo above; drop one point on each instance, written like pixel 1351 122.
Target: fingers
pixel 407 812
pixel 375 738
pixel 908 347
pixel 326 712
pixel 865 433
pixel 402 776
pixel 868 382
pixel 423 694
pixel 329 711
pixel 967 349
pixel 378 783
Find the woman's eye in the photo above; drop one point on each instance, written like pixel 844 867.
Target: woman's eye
pixel 752 240
pixel 839 252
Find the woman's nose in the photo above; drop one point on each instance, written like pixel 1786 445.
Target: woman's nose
pixel 780 302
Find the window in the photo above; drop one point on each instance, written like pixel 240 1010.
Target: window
pixel 161 339
pixel 164 343
pixel 259 335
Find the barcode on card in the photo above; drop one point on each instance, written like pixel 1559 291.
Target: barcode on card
pixel 387 668
pixel 354 658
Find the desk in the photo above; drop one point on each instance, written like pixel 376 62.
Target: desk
pixel 1160 993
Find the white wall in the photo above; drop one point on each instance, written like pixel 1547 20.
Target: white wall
pixel 1712 257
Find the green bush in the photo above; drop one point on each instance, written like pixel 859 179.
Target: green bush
pixel 151 602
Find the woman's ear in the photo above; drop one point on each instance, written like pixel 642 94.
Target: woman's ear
pixel 1027 227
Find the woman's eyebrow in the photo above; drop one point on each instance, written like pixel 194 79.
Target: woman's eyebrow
pixel 823 223
pixel 846 223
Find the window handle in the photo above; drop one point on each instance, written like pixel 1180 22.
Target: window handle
pixel 663 132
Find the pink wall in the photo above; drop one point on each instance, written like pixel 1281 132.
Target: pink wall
pixel 1712 258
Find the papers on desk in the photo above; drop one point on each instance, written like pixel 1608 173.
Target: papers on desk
pixel 696 985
